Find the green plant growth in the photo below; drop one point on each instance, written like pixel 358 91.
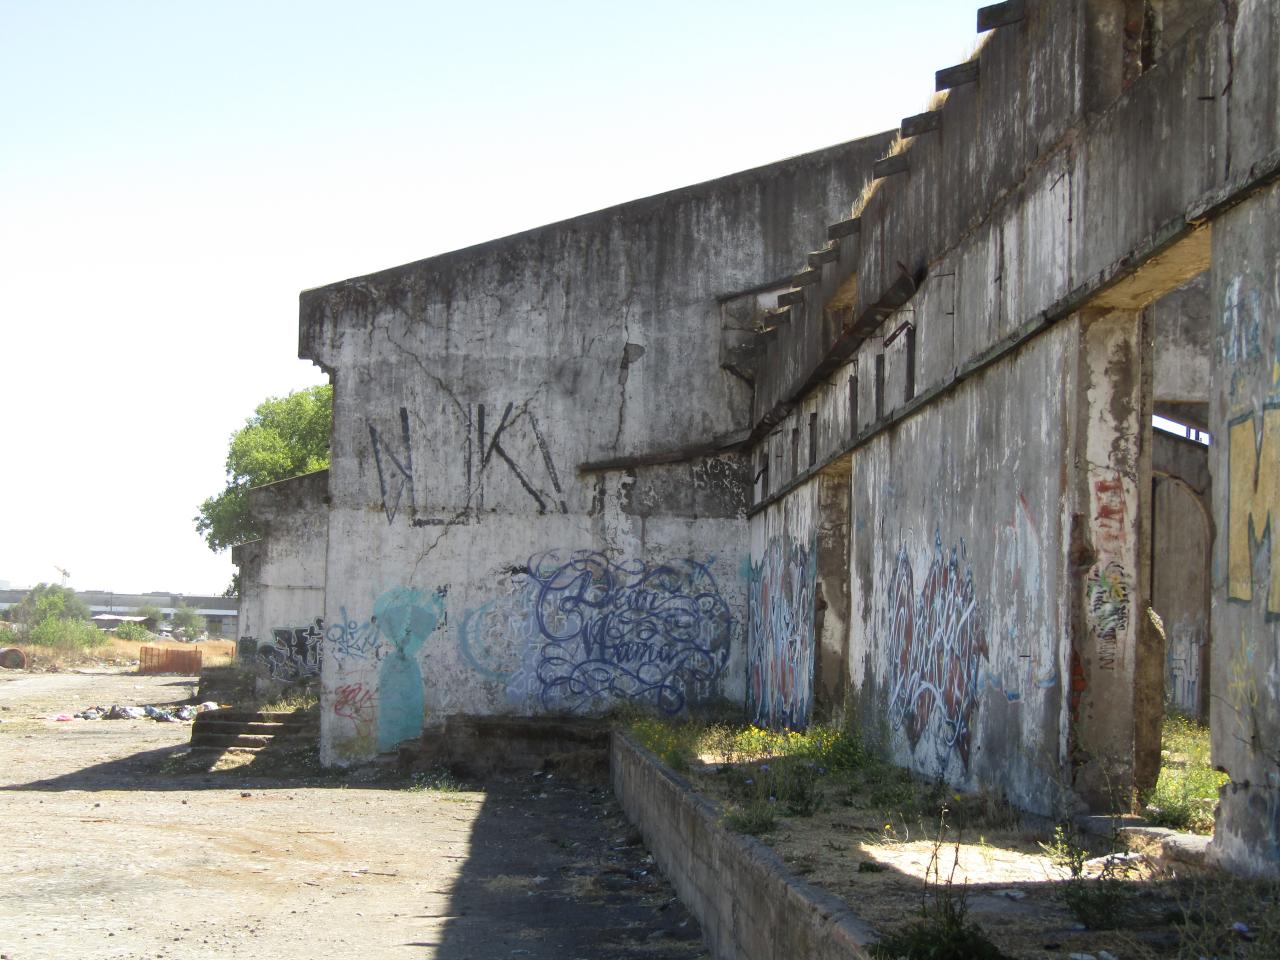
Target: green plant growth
pixel 436 780
pixel 754 818
pixel 1186 792
pixel 1101 902
pixel 942 930
pixel 188 620
pixel 149 611
pixel 286 437
pixel 59 634
pixel 133 631
pixel 45 601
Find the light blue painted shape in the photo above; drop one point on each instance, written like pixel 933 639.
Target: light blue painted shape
pixel 405 617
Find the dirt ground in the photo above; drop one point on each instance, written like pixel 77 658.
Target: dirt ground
pixel 115 846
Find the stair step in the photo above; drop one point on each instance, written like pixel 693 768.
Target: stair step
pixel 244 726
pixel 228 740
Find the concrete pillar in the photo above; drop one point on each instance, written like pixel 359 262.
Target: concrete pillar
pixel 831 620
pixel 1116 676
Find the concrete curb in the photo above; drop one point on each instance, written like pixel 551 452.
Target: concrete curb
pixel 750 906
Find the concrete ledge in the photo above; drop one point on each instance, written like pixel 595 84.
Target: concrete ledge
pixel 750 906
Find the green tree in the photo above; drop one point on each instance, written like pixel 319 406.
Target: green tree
pixel 151 612
pixel 286 437
pixel 188 620
pixel 48 601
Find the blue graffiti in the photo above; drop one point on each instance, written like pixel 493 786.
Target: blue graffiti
pixel 780 640
pixel 349 639
pixel 484 636
pixel 655 633
pixel 405 618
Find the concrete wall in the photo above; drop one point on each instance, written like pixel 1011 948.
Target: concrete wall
pixel 534 507
pixel 282 581
pixel 747 902
pixel 1245 461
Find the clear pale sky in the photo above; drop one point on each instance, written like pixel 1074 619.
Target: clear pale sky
pixel 173 173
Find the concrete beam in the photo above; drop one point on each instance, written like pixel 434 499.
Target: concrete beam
pixel 950 77
pixel 920 123
pixel 1000 14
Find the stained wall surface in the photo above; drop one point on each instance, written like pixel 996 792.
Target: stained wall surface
pixel 1245 461
pixel 282 581
pixel 530 512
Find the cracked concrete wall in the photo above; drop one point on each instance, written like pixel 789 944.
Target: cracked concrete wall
pixel 534 509
pixel 282 581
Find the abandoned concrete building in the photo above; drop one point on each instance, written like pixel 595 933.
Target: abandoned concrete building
pixel 863 434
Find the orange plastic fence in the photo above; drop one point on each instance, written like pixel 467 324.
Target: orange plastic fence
pixel 169 660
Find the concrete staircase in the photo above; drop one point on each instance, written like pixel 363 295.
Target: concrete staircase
pixel 243 731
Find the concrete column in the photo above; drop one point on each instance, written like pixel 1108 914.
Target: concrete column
pixel 1109 574
pixel 831 620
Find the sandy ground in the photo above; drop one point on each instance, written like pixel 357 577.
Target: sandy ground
pixel 112 848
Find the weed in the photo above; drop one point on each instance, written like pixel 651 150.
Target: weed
pixel 942 931
pixel 301 699
pixel 436 780
pixel 1187 789
pixel 1100 903
pixel 754 818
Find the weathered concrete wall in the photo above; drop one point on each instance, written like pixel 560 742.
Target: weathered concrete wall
pixel 747 902
pixel 282 581
pixel 960 592
pixel 1180 593
pixel 530 513
pixel 1245 461
pixel 781 609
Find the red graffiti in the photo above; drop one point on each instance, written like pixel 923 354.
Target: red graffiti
pixel 354 701
pixel 1111 514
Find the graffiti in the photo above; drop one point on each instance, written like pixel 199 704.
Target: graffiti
pixel 516 442
pixel 405 618
pixel 1253 489
pixel 1107 589
pixel 1241 338
pixel 1107 584
pixel 355 702
pixel 780 637
pixel 1242 690
pixel 937 642
pixel 351 640
pixel 246 649
pixel 296 654
pixel 1110 515
pixel 1182 665
pixel 654 633
pixel 485 639
pixel 401 479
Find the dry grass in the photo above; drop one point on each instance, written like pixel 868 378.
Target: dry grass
pixel 120 653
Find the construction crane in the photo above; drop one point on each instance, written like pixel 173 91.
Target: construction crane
pixel 62 570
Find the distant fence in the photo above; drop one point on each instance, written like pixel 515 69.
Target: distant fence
pixel 169 660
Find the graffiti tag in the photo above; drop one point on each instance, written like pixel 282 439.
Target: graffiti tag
pixel 937 642
pixel 781 635
pixel 657 633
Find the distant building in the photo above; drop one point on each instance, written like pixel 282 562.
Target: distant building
pixel 221 614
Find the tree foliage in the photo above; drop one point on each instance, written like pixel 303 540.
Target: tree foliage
pixel 53 616
pixel 150 612
pixel 48 601
pixel 286 437
pixel 188 620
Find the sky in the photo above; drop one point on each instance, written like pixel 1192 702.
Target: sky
pixel 173 174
